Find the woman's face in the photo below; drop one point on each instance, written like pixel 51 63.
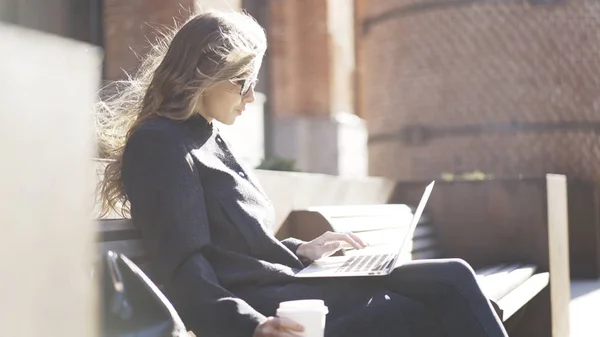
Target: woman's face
pixel 227 100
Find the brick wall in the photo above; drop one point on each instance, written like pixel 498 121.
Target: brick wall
pixel 493 67
pixel 128 24
pixel 300 58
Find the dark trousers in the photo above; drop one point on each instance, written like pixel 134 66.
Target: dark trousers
pixel 421 298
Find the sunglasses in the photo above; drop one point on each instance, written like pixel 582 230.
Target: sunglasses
pixel 246 85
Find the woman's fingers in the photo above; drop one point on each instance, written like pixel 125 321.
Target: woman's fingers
pixel 270 331
pixel 357 239
pixel 349 238
pixel 288 324
pixel 278 327
pixel 328 249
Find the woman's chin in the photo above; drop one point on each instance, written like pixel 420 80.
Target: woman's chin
pixel 231 121
pixel 228 121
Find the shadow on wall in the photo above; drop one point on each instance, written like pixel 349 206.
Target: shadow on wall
pixel 582 288
pixel 278 164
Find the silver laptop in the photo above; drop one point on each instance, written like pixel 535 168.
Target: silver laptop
pixel 367 264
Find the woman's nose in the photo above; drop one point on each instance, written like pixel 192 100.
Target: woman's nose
pixel 249 97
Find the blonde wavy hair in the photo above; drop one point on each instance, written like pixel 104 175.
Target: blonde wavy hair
pixel 208 49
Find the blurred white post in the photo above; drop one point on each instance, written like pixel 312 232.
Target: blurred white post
pixel 47 86
pixel 222 5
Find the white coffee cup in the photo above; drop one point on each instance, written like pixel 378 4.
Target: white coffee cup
pixel 308 313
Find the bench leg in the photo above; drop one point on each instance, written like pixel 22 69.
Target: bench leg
pixel 534 319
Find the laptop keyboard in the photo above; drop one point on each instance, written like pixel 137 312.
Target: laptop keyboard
pixel 362 263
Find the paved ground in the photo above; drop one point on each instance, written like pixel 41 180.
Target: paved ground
pixel 585 308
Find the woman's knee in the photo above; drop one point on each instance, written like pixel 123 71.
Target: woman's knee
pixel 457 270
pixel 452 269
pixel 457 267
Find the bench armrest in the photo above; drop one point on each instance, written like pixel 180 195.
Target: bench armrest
pixel 505 220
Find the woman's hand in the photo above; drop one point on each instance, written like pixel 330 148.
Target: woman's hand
pixel 277 327
pixel 327 244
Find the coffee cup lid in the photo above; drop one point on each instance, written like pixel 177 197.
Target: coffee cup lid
pixel 303 305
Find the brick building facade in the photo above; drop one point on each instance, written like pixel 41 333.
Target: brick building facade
pixel 506 88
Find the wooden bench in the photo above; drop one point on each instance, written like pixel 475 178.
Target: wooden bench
pixel 513 232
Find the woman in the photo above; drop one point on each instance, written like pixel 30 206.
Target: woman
pixel 203 216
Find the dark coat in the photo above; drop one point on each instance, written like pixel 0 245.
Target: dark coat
pixel 205 224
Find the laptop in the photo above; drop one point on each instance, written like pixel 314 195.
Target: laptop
pixel 365 263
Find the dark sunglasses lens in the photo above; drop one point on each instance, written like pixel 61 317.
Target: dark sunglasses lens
pixel 246 87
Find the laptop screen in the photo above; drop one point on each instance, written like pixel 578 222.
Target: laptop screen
pixel 415 219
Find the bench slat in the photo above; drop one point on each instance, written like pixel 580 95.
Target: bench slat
pixel 118 236
pixel 376 238
pixel 517 298
pixel 371 223
pixel 426 254
pixel 133 249
pixel 504 279
pixel 389 236
pixel 489 270
pixel 116 230
pixel 423 230
pixel 368 224
pixel 112 225
pixel 424 244
pixel 361 210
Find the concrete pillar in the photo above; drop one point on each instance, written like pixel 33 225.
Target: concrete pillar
pixel 311 48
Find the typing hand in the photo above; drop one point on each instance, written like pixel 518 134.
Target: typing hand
pixel 277 327
pixel 327 244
